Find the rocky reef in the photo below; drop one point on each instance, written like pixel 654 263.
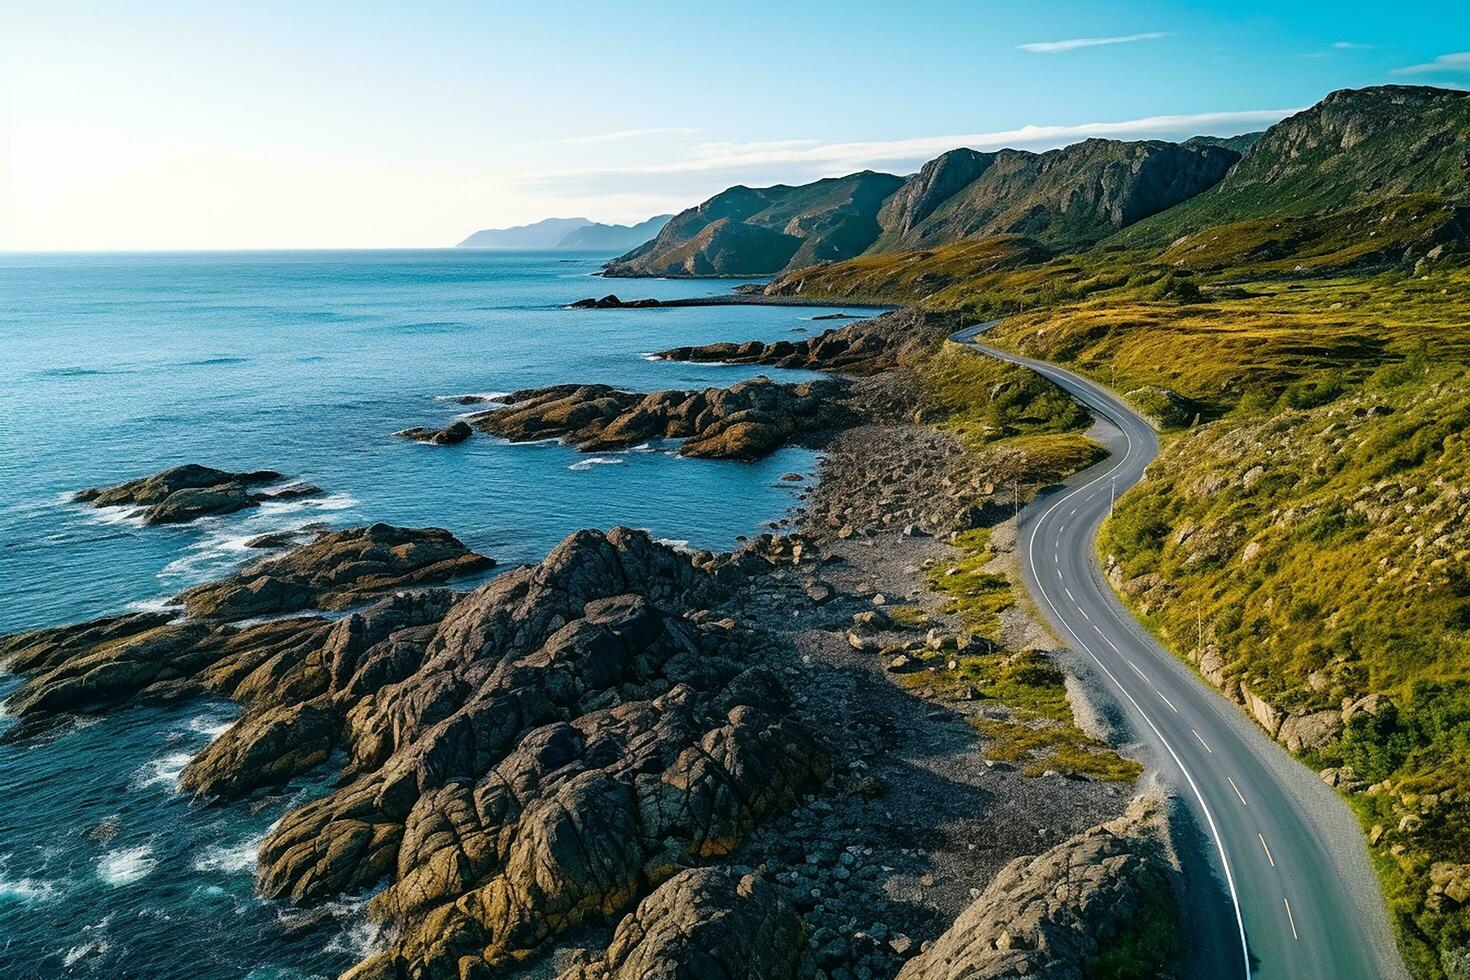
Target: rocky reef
pixel 745 421
pixel 531 755
pixel 865 347
pixel 94 666
pixel 188 492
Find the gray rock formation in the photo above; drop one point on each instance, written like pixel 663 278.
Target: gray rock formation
pixel 704 923
pixel 185 493
pixel 1051 915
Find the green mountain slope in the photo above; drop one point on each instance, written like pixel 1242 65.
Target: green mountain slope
pixel 1355 148
pixel 1064 199
pixel 748 231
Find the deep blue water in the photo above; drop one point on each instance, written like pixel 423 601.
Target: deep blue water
pixel 116 366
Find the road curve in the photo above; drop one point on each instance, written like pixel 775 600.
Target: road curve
pixel 1297 898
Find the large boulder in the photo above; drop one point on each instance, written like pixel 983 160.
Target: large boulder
pixel 1050 915
pixel 704 922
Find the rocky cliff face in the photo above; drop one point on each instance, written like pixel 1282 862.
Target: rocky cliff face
pixel 1064 199
pixel 748 231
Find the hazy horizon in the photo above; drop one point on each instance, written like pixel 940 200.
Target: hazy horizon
pixel 167 128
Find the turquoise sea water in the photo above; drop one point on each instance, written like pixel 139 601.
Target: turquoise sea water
pixel 116 366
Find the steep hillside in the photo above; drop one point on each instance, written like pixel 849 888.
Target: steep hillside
pixel 1064 199
pixel 1357 147
pixel 614 238
pixel 747 231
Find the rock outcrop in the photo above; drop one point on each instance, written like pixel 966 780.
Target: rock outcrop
pixel 865 347
pixel 1050 915
pixel 451 435
pixel 185 493
pixel 745 421
pixel 705 922
pixel 337 570
pixel 534 754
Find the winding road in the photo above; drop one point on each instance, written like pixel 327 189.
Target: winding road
pixel 1290 894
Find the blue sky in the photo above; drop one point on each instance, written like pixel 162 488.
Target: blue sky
pixel 192 125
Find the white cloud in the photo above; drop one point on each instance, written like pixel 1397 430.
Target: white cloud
pixel 811 158
pixel 1072 44
pixel 1457 62
pixel 616 136
pixel 1352 46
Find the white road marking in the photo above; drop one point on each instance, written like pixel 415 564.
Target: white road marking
pixel 1166 701
pixel 1136 670
pixel 1266 849
pixel 1203 742
pixel 1290 920
pixel 1188 776
pixel 1069 593
pixel 1237 791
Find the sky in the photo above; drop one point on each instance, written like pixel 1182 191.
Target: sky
pixel 135 125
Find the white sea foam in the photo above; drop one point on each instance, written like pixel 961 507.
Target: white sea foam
pixel 587 464
pixel 211 725
pixel 164 770
pixel 485 397
pixel 331 501
pixel 91 948
pixel 160 604
pixel 121 514
pixel 240 857
pixel 26 890
pixel 126 866
pixel 678 544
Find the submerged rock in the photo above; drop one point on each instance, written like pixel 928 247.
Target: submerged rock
pixel 745 421
pixel 185 493
pixel 452 434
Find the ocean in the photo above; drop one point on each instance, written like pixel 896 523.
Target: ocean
pixel 114 366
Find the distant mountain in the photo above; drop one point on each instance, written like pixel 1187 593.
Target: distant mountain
pixel 1239 143
pixel 568 233
pixel 1064 199
pixel 1061 199
pixel 614 238
pixel 747 231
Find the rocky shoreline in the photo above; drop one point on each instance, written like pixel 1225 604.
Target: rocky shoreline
pixel 708 750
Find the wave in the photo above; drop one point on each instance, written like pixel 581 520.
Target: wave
pixel 87 950
pixel 211 361
pixel 123 867
pixel 587 464
pixel 160 604
pixel 26 890
pixel 164 770
pixel 241 857
pixel 211 725
pixel 482 397
pixel 79 372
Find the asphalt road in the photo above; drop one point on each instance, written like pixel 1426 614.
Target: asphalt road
pixel 1293 894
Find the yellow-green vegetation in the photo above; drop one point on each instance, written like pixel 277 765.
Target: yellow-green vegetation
pixel 1144 949
pixel 1327 551
pixel 1039 733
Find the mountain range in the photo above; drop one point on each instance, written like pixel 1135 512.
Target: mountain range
pixel 1390 160
pixel 569 233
